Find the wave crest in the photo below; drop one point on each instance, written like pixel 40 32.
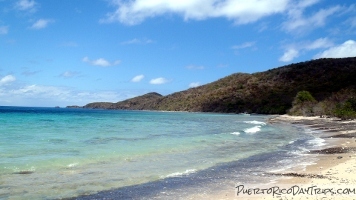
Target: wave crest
pixel 179 174
pixel 252 130
pixel 255 122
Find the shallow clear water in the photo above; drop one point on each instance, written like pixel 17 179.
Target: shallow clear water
pixel 55 153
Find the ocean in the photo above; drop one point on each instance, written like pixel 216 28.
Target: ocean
pixel 55 153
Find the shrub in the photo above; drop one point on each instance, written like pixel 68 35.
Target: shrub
pixel 346 110
pixel 303 104
pixel 303 97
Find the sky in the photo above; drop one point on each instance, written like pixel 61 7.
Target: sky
pixel 73 52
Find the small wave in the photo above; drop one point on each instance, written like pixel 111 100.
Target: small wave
pixel 253 130
pixel 179 174
pixel 72 165
pixel 317 142
pixel 300 151
pixel 255 122
pixel 29 171
pixel 235 133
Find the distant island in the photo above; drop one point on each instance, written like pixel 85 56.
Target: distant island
pixel 329 81
pixel 74 106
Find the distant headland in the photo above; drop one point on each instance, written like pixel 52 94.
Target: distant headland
pixel 329 81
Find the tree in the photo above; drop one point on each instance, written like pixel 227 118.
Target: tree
pixel 303 97
pixel 346 110
pixel 303 104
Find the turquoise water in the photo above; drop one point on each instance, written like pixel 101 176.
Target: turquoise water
pixel 49 153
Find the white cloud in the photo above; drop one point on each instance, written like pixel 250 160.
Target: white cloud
pixel 319 43
pixel 240 11
pixel 7 79
pixel 299 23
pixel 101 62
pixel 158 81
pixel 137 78
pixel 137 41
pixel 289 55
pixel 194 84
pixel 243 46
pixel 41 23
pixel 347 49
pixel 116 62
pixel 69 74
pixel 294 50
pixel 28 72
pixel 69 44
pixel 352 22
pixel 25 5
pixel 193 67
pixel 307 3
pixel 38 90
pixel 42 95
pixel 4 30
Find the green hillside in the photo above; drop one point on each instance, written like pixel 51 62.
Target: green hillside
pixel 269 92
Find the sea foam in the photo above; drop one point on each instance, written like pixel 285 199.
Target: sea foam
pixel 317 142
pixel 255 122
pixel 179 174
pixel 235 133
pixel 252 130
pixel 72 165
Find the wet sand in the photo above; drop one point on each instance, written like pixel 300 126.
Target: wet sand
pixel 332 176
pixel 336 165
pixel 333 170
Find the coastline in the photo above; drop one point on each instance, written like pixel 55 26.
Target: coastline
pixel 336 165
pixel 333 166
pixel 333 171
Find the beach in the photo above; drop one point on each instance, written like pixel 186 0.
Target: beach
pixel 331 176
pixel 51 153
pixel 159 155
pixel 336 165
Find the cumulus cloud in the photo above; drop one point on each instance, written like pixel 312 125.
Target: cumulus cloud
pixel 137 78
pixel 347 49
pixel 194 84
pixel 289 55
pixel 4 30
pixel 25 5
pixel 41 23
pixel 101 62
pixel 7 79
pixel 294 50
pixel 240 11
pixel 158 81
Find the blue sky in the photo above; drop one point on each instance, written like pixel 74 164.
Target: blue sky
pixel 72 52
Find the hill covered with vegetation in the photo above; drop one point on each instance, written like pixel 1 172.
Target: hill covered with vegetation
pixel 144 102
pixel 330 81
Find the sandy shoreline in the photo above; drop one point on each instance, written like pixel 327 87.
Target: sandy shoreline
pixel 336 165
pixel 333 167
pixel 333 172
